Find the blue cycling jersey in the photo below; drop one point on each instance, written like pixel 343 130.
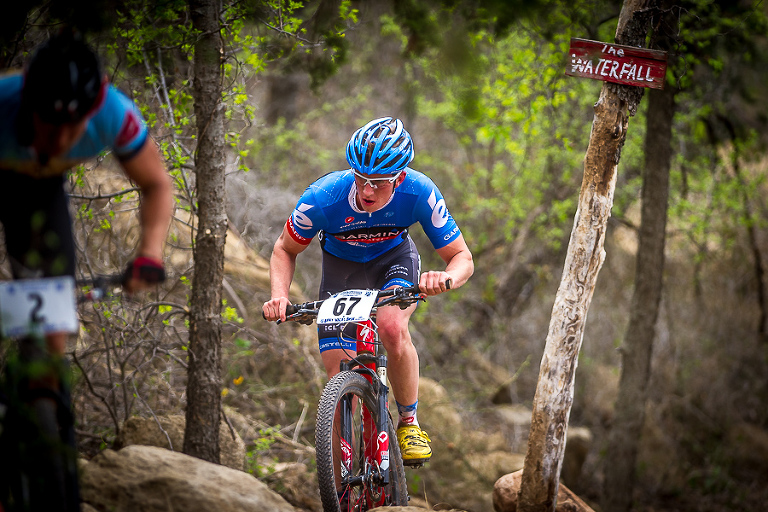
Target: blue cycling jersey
pixel 328 207
pixel 114 123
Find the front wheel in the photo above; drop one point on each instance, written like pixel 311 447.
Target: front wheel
pixel 355 485
pixel 37 439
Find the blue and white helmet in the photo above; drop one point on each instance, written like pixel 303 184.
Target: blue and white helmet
pixel 382 146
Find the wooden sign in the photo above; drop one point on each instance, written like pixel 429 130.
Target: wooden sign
pixel 616 63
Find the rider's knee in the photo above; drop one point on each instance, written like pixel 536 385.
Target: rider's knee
pixel 395 337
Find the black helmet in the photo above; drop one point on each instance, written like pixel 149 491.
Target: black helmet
pixel 63 80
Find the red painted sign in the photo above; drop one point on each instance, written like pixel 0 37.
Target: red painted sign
pixel 616 63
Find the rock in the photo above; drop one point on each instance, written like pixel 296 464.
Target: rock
pixel 577 445
pixel 436 407
pixel 505 496
pixel 493 465
pixel 516 415
pixel 297 484
pixel 514 424
pixel 246 427
pixel 482 374
pixel 145 431
pixel 152 479
pixel 597 394
pixel 505 492
pixel 413 509
pixel 465 462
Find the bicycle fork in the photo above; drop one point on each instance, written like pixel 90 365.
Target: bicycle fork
pixel 377 436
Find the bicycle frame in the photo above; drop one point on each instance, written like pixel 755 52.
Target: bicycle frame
pixel 373 367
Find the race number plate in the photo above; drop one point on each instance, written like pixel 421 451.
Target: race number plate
pixel 347 306
pixel 38 305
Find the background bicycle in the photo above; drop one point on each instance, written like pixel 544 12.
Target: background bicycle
pixel 37 437
pixel 359 464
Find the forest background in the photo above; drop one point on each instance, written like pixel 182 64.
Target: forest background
pixel 500 128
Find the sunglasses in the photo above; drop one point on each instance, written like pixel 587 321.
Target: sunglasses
pixel 362 180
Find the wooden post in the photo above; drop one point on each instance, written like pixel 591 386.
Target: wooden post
pixel 554 393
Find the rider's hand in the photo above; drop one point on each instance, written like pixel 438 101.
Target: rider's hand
pixel 434 282
pixel 142 273
pixel 274 309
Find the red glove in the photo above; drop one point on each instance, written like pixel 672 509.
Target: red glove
pixel 145 269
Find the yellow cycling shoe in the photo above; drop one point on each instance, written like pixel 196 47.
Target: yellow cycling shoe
pixel 414 445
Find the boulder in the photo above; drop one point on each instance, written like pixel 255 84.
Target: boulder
pixel 153 479
pixel 413 509
pixel 465 462
pixel 491 466
pixel 505 496
pixel 296 483
pixel 516 415
pixel 514 423
pixel 437 408
pixel 146 431
pixel 578 443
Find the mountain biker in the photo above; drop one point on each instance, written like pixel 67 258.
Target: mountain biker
pixel 58 112
pixel 361 216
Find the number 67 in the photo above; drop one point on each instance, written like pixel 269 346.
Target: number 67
pixel 341 303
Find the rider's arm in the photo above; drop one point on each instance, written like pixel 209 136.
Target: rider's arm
pixel 147 171
pixel 282 266
pixel 459 268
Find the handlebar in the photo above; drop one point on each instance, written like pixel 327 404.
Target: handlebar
pixel 99 286
pixel 403 296
pixel 314 306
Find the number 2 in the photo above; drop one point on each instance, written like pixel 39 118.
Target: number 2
pixel 34 315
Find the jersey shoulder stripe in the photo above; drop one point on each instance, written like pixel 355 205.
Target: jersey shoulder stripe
pixel 118 124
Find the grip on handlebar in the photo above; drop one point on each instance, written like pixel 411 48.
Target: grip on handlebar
pixel 412 289
pixel 415 288
pixel 290 309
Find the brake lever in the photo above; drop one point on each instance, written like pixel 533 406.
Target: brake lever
pixel 298 317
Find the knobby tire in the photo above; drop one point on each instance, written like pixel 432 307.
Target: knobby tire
pixel 352 384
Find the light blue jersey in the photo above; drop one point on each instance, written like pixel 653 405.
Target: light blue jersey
pixel 328 207
pixel 114 123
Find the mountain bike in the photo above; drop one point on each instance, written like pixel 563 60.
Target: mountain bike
pixel 359 465
pixel 37 439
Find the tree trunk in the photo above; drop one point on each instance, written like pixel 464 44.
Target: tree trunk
pixel 554 393
pixel 624 436
pixel 201 437
pixel 751 223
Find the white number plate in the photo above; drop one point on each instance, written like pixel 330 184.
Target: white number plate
pixel 35 305
pixel 347 306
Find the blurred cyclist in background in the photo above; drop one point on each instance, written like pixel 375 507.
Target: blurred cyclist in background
pixel 60 112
